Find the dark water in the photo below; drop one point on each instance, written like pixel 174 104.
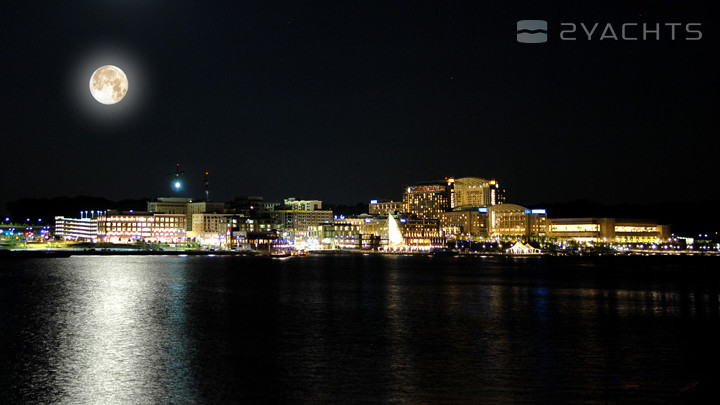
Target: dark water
pixel 356 329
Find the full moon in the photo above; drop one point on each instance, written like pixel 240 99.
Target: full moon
pixel 108 84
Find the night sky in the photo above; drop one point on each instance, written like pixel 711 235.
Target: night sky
pixel 350 101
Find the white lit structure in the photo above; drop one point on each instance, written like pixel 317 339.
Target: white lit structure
pixel 395 237
pixel 131 227
pixel 80 229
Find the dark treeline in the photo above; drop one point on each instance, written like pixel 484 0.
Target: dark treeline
pixel 347 210
pixel 48 208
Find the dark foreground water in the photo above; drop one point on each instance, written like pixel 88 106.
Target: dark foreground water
pixel 349 329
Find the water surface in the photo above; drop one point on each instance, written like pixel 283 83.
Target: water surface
pixel 373 329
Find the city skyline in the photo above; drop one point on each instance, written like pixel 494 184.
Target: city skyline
pixel 346 103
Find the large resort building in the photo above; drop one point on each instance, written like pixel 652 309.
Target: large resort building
pixel 427 200
pixel 475 192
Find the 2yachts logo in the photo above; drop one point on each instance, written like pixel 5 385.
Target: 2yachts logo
pixel 536 31
pixel 532 31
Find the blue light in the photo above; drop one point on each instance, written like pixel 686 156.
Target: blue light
pixel 483 209
pixel 540 211
pixel 373 201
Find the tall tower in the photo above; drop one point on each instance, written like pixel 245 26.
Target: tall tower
pixel 177 184
pixel 207 187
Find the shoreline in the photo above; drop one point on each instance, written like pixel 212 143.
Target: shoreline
pixel 62 253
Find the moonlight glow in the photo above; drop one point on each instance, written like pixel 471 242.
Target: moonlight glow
pixel 108 84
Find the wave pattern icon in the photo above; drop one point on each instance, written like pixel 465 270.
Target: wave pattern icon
pixel 532 31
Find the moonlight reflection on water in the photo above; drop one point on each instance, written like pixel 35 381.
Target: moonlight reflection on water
pixel 358 328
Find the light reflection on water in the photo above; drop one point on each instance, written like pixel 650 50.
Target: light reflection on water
pixel 359 328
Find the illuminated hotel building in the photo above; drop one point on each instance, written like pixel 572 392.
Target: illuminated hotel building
pixel 421 234
pixel 607 230
pixel 370 227
pixel 537 223
pixel 169 205
pixel 213 229
pixel 417 234
pixel 427 200
pixel 300 220
pixel 511 221
pixel 130 227
pixel 468 221
pixel 185 206
pixel 382 207
pixel 476 192
pixel 76 228
pixel 172 205
pixel 334 236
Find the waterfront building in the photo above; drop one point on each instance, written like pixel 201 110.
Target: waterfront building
pixel 383 207
pixel 185 206
pixel 413 234
pixel 507 221
pixel 611 230
pixel 263 242
pixel 294 224
pixel 214 229
pixel 427 200
pixel 379 232
pixel 79 229
pixel 498 195
pixel 472 192
pixel 131 227
pixel 465 221
pixel 169 205
pixel 333 236
pixel 172 205
pixel 511 221
pixel 373 229
pixel 536 223
pixel 262 224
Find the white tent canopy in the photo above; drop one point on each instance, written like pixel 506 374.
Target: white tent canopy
pixel 520 248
